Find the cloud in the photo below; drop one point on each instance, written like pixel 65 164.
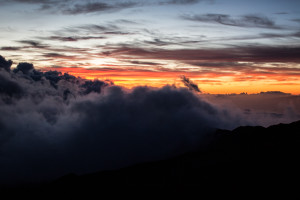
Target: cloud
pixel 34 44
pixel 59 55
pixel 264 108
pixel 43 2
pixel 182 2
pixel 5 64
pixel 10 48
pixel 74 39
pixel 89 31
pixel 9 89
pixel 228 65
pixel 93 7
pixel 159 42
pixel 76 7
pixel 274 93
pixel 234 54
pixel 189 84
pixel 94 86
pixel 281 13
pixel 296 20
pixel 52 124
pixel 136 62
pixel 37 1
pixel 274 35
pixel 25 68
pixel 255 21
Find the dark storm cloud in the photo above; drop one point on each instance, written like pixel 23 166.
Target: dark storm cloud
pixel 255 21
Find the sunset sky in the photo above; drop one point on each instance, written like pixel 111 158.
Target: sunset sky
pixel 225 46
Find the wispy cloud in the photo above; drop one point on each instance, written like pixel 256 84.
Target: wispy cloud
pixel 34 44
pixel 74 38
pixel 86 8
pixel 243 53
pixel 255 21
pixel 92 30
pixel 296 20
pixel 11 48
pixel 37 1
pixel 77 7
pixel 182 2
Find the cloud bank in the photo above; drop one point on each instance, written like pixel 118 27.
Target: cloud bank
pixel 243 21
pixel 52 124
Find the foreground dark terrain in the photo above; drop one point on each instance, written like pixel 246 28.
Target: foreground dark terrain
pixel 245 160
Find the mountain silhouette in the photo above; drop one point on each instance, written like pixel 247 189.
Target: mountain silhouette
pixel 245 160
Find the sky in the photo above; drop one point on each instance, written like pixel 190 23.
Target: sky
pixel 100 85
pixel 54 124
pixel 223 46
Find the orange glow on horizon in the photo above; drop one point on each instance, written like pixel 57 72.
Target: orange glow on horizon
pixel 214 83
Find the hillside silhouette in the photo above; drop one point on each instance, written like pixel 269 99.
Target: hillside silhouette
pixel 247 159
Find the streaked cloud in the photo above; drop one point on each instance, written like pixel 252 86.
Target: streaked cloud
pixel 73 38
pixel 243 53
pixel 94 7
pixel 254 21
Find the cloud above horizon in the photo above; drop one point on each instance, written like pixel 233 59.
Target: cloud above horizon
pixel 60 124
pixel 52 124
pixel 254 21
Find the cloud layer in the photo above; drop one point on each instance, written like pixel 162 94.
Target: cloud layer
pixel 243 21
pixel 52 123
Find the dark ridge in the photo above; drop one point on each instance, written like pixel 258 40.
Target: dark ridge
pixel 246 161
